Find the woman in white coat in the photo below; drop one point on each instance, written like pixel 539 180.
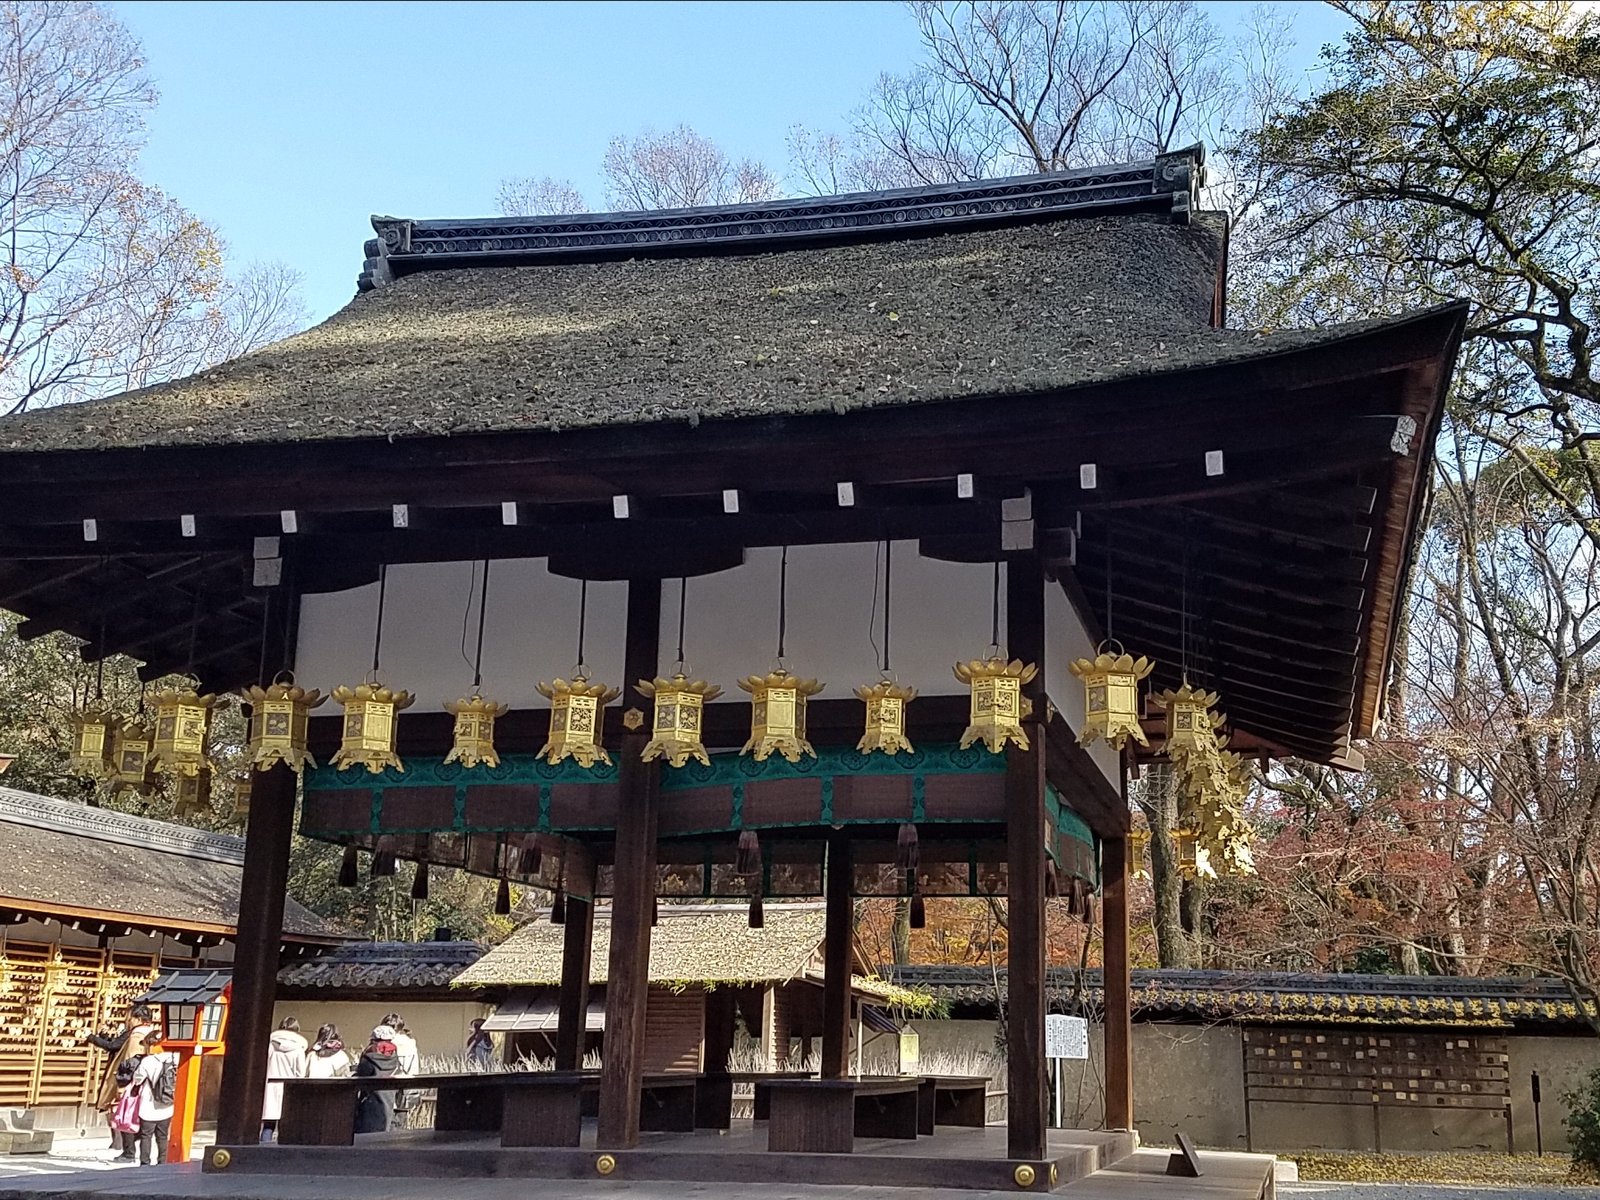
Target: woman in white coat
pixel 286 1059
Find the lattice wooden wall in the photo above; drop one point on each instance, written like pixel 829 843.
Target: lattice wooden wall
pixel 51 999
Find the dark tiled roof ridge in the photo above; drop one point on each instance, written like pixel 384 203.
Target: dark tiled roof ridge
pixel 103 824
pixel 1226 980
pixel 1168 183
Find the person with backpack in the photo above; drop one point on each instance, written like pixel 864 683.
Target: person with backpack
pixel 124 1115
pixel 156 1082
pixel 375 1106
pixel 286 1059
pixel 123 1046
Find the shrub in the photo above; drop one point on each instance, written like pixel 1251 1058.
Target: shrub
pixel 1583 1121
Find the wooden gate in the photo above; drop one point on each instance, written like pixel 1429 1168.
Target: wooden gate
pixel 1376 1070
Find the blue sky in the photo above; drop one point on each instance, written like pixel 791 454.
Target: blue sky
pixel 286 124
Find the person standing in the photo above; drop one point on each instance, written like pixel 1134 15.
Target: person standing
pixel 375 1106
pixel 156 1081
pixel 480 1046
pixel 122 1046
pixel 286 1059
pixel 405 1049
pixel 328 1058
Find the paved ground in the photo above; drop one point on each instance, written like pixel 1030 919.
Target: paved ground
pixel 1430 1191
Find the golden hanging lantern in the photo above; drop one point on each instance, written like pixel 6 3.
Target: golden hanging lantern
pixel 778 714
pixel 1187 843
pixel 1190 722
pixel 94 733
pixel 998 704
pixel 679 711
pixel 1138 846
pixel 474 730
pixel 576 709
pixel 1111 697
pixel 242 789
pixel 279 715
pixel 183 732
pixel 886 717
pixel 194 793
pixel 133 766
pixel 370 728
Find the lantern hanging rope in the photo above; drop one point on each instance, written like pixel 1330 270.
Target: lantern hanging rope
pixel 677 726
pixel 1111 687
pixel 370 726
pixel 577 708
pixel 94 728
pixel 997 703
pixel 886 700
pixel 778 699
pixel 473 733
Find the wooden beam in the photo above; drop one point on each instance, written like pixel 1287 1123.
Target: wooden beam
pixel 572 1013
pixel 628 978
pixel 838 953
pixel 1027 1102
pixel 262 888
pixel 1118 983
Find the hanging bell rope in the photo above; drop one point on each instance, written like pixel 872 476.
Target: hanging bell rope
pixel 419 882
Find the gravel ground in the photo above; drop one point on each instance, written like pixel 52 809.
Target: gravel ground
pixel 1433 1191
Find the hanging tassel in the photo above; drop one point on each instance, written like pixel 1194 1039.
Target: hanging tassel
pixel 502 899
pixel 384 864
pixel 918 918
pixel 349 869
pixel 758 918
pixel 655 910
pixel 1088 910
pixel 419 882
pixel 531 859
pixel 907 856
pixel 1052 883
pixel 748 860
pixel 558 908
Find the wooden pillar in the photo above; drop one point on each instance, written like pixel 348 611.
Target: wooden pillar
pixel 839 934
pixel 720 1028
pixel 1118 983
pixel 628 976
pixel 1027 1103
pixel 572 1015
pixel 255 955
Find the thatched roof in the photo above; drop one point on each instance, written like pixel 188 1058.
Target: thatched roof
pixel 65 859
pixel 699 944
pixel 1028 309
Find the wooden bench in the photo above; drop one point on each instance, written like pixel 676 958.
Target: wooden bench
pixel 952 1100
pixel 713 1097
pixel 322 1112
pixel 827 1115
pixel 526 1108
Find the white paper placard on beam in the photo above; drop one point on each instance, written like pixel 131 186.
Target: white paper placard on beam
pixel 1066 1037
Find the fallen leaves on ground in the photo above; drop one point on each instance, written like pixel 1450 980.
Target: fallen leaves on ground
pixel 1553 1170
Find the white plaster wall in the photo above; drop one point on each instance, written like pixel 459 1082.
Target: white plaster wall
pixel 1065 639
pixel 942 612
pixel 530 634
